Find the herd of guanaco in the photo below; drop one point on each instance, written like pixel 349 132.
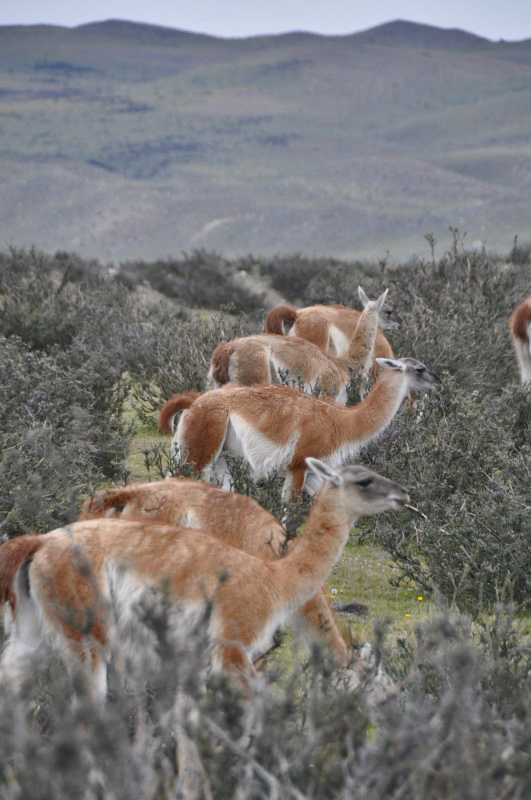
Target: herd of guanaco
pixel 201 542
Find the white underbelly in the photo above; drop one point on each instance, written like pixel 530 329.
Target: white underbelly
pixel 263 455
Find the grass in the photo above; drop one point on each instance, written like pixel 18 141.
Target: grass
pixel 145 438
pixel 363 575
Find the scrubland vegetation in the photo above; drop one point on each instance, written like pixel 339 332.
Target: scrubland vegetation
pixel 88 354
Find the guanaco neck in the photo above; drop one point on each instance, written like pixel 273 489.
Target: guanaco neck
pixel 361 350
pixel 370 417
pixel 321 543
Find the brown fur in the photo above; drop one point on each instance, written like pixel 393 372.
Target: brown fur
pixel 13 554
pixel 261 359
pixel 177 403
pixel 277 316
pixel 107 500
pixel 251 362
pixel 232 518
pixel 282 414
pixel 220 362
pixel 519 319
pixel 518 326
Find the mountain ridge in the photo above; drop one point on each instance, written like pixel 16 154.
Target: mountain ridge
pixel 120 139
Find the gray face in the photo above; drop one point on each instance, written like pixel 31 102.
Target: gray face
pixel 371 492
pixel 420 378
pixel 389 318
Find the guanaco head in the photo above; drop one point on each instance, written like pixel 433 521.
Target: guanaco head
pixel 387 316
pixel 419 377
pixel 364 491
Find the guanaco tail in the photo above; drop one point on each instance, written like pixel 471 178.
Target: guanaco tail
pixel 520 328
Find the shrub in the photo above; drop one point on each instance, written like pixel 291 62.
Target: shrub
pixel 60 432
pixel 469 541
pixel 306 280
pixel 201 280
pixel 460 727
pixel 174 356
pixel 464 455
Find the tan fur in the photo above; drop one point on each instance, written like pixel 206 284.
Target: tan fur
pixel 68 576
pixel 258 359
pixel 520 327
pixel 261 359
pixel 281 419
pixel 13 554
pixel 234 519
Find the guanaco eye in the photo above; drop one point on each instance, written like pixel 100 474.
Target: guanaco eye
pixel 364 482
pixel 420 370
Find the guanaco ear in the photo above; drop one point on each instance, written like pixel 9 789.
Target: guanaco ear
pixel 323 471
pixel 363 297
pixel 381 300
pixel 392 363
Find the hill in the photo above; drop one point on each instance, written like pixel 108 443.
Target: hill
pixel 122 140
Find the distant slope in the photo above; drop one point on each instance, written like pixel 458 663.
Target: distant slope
pixel 122 140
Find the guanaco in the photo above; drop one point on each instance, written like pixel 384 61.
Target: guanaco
pixel 233 518
pixel 61 586
pixel 331 328
pixel 265 357
pixel 520 328
pixel 277 428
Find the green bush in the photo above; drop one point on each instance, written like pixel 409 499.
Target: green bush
pixel 460 727
pixel 465 462
pixel 464 454
pixel 310 280
pixel 174 356
pixel 61 432
pixel 200 280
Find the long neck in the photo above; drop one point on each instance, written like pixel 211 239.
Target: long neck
pixel 320 545
pixel 360 354
pixel 369 418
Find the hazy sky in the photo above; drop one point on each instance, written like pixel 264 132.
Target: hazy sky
pixel 495 19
